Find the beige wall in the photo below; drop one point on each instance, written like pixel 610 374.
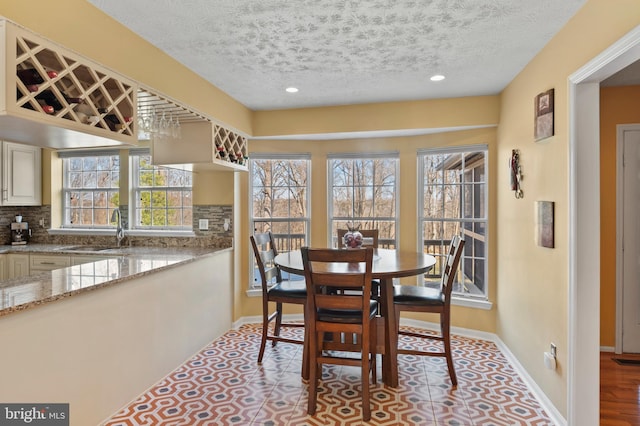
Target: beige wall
pixel 427 114
pixel 533 281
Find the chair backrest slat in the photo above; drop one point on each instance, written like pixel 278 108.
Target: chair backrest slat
pixel 339 269
pixel 451 265
pixel 265 252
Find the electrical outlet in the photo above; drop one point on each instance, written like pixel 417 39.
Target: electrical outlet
pixel 203 224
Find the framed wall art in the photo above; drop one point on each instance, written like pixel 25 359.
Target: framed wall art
pixel 545 225
pixel 544 115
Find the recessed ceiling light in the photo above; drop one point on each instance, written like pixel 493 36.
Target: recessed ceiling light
pixel 291 89
pixel 437 77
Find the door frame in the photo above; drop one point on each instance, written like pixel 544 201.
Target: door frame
pixel 583 375
pixel 620 131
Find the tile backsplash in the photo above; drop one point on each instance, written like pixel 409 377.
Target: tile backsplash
pixel 215 236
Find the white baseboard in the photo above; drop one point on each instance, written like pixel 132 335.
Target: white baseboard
pixel 542 398
pixel 607 349
pixel 258 319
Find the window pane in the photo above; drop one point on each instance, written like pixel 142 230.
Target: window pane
pixel 279 202
pixel 89 180
pixel 454 189
pixel 363 192
pixel 83 175
pixel 163 195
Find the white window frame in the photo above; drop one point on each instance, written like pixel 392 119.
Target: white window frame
pixel 393 155
pixel 135 193
pixel 467 297
pixel 67 157
pixel 254 278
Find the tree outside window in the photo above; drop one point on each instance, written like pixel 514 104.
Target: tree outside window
pixel 363 193
pixel 163 195
pixel 453 200
pixel 90 190
pixel 279 190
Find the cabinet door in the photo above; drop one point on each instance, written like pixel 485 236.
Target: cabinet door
pixel 21 173
pixel 3 267
pixel 18 265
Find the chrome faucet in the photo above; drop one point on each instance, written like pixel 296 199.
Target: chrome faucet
pixel 117 217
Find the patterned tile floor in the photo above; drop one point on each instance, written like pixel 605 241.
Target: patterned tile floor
pixel 223 385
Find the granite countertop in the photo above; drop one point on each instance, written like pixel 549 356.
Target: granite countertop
pixel 122 264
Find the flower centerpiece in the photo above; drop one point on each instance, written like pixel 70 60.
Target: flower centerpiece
pixel 353 237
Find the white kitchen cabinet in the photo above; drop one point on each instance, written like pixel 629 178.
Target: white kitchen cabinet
pixel 18 265
pixel 21 175
pixel 3 267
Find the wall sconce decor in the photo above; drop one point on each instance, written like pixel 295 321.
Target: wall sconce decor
pixel 544 115
pixel 515 173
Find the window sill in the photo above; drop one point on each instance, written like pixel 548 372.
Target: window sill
pixel 457 301
pixel 111 232
pixel 254 292
pixel 81 231
pixel 159 233
pixel 468 302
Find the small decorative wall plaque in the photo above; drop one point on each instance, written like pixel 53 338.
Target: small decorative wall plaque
pixel 544 115
pixel 544 223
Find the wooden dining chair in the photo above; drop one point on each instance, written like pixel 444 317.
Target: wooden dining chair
pixel 423 299
pixel 275 290
pixel 371 236
pixel 335 317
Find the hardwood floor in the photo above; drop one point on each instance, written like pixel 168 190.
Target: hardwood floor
pixel 619 391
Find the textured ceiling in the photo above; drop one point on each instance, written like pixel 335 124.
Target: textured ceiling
pixel 346 52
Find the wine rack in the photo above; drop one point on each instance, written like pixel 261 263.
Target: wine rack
pixel 230 146
pixel 202 142
pixel 55 93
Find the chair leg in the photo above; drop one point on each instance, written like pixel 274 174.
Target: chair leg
pixel 446 336
pixel 263 340
pixel 373 346
pixel 366 403
pixel 276 328
pixel 313 373
pixel 306 358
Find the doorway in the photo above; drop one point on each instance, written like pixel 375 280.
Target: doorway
pixel 628 240
pixel 584 226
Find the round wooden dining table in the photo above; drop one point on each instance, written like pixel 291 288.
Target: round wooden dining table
pixel 387 264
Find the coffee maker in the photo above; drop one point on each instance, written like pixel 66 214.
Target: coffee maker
pixel 20 232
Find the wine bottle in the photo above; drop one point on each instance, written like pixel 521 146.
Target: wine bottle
pixel 31 77
pixel 221 151
pixel 114 123
pixel 72 99
pixel 47 97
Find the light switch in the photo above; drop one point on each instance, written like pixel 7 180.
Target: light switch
pixel 203 224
